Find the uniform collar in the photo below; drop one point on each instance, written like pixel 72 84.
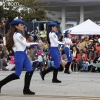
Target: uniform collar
pixel 18 32
pixel 58 34
pixel 52 31
pixel 55 33
pixel 67 37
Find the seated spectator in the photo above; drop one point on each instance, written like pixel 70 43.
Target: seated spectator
pixel 95 64
pixel 40 59
pixel 92 53
pixel 10 65
pixel 75 51
pixel 97 46
pixel 95 38
pixel 46 48
pixel 85 50
pixel 49 61
pixel 2 53
pixel 85 40
pixel 80 45
pixel 91 44
pixel 35 62
pixel 83 62
pixel 63 60
pixel 30 39
pixel 10 61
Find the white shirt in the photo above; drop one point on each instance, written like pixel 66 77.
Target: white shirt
pixel 20 42
pixel 54 39
pixel 40 59
pixel 67 40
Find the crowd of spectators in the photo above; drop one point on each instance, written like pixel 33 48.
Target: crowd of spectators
pixel 84 51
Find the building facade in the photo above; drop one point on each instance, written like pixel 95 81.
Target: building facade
pixel 73 10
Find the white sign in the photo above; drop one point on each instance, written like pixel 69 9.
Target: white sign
pixel 9 3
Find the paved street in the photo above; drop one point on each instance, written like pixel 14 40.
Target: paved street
pixel 76 86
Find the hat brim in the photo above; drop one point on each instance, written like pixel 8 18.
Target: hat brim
pixel 67 32
pixel 14 22
pixel 53 24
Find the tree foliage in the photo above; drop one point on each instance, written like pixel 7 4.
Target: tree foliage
pixel 8 13
pixel 29 10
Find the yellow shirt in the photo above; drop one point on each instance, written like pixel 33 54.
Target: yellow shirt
pixel 84 42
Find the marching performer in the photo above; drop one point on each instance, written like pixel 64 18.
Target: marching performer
pixel 52 38
pixel 68 43
pixel 15 38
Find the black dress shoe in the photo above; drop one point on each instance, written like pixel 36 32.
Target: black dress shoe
pixel 42 76
pixel 56 81
pixel 67 72
pixel 28 92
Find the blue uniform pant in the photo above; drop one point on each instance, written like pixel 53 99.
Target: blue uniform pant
pixel 69 55
pixel 22 60
pixel 55 55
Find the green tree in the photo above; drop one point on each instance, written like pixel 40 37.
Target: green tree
pixel 6 13
pixel 31 9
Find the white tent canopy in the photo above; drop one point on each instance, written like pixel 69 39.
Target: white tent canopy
pixel 86 28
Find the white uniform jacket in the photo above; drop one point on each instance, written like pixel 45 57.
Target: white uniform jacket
pixel 54 39
pixel 67 40
pixel 20 42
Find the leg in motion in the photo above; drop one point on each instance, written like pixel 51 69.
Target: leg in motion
pixel 9 78
pixel 55 73
pixel 28 76
pixel 67 68
pixel 69 56
pixel 27 81
pixel 43 73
